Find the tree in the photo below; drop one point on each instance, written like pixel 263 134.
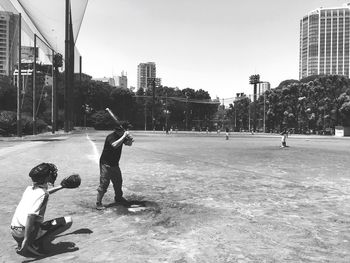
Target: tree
pixel 8 94
pixel 121 103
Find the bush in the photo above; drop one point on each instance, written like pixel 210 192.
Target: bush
pixel 8 123
pixel 101 120
pixel 27 125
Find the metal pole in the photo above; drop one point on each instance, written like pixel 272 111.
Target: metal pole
pixel 52 96
pixel 80 88
pixel 153 102
pixel 145 116
pixel 235 114
pixel 71 73
pixel 34 87
pixel 249 114
pixel 166 112
pixel 186 110
pixel 264 112
pixel 254 110
pixel 19 79
pixel 66 68
pixel 55 99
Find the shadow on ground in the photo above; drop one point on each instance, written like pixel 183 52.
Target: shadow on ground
pixel 60 247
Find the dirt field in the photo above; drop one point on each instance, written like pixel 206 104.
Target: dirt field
pixel 208 200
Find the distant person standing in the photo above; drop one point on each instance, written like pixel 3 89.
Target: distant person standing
pixel 227 130
pixel 284 136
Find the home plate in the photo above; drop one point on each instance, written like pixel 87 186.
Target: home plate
pixel 136 208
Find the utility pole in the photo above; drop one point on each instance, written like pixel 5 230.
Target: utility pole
pixel 264 111
pixel 249 114
pixel 80 76
pixel 186 94
pixel 57 63
pixel 66 68
pixel 254 80
pixel 53 95
pixel 153 83
pixel 145 116
pixel 19 79
pixel 166 112
pixel 34 87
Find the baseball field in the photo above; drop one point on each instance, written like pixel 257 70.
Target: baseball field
pixel 208 199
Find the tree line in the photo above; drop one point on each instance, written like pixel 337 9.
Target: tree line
pixel 316 104
pixel 165 108
pixel 313 104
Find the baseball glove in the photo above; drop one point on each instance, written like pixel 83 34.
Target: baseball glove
pixel 72 181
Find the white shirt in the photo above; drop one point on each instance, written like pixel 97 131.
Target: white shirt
pixel 33 201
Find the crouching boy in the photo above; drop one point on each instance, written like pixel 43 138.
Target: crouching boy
pixel 28 227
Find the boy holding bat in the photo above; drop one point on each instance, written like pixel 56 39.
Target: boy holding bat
pixel 28 227
pixel 109 165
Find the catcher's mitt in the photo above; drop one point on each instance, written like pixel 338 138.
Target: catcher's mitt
pixel 72 181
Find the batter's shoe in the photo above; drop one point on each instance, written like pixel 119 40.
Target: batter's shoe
pixel 99 206
pixel 122 201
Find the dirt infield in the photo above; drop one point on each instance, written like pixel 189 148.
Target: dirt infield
pixel 208 199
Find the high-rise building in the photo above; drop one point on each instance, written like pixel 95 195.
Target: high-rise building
pixel 145 71
pixel 122 81
pixel 325 42
pixel 262 87
pixel 8 42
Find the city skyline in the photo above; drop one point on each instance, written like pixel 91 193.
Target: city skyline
pixel 196 44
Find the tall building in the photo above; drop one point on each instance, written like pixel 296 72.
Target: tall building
pixel 262 87
pixel 122 81
pixel 325 42
pixel 145 71
pixel 8 42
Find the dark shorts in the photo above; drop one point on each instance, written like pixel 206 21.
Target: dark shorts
pixel 47 226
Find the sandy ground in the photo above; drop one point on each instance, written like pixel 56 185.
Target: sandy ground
pixel 208 199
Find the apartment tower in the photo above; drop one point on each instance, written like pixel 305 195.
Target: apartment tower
pixel 8 42
pixel 145 71
pixel 325 42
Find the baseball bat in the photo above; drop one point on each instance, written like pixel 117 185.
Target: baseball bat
pixel 118 122
pixel 114 117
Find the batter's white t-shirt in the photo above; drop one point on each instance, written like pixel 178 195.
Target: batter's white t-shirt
pixel 34 201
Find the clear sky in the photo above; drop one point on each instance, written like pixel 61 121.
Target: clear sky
pixel 214 45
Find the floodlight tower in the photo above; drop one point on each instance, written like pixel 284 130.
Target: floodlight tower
pixel 254 80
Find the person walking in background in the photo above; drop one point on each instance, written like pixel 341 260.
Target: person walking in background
pixel 284 136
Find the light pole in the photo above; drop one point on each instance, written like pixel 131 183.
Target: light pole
pixel 234 105
pixel 34 88
pixel 166 112
pixel 249 113
pixel 264 128
pixel 145 116
pixel 186 94
pixel 19 80
pixel 254 80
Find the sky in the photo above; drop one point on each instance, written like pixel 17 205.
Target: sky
pixel 214 45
